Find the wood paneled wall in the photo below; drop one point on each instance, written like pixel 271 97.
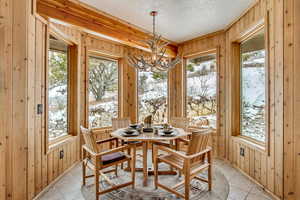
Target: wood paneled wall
pixel 215 41
pixel 263 166
pixel 291 99
pixel 277 170
pixel 25 169
pixel 26 166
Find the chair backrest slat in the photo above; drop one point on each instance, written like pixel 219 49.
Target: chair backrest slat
pixel 180 122
pixel 198 143
pixel 118 123
pixel 89 139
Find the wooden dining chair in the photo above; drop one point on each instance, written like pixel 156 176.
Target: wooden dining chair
pixel 118 123
pixel 180 122
pixel 98 161
pixel 197 158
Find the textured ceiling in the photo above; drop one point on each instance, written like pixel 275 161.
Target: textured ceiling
pixel 178 20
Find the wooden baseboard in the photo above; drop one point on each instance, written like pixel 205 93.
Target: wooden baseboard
pixel 46 189
pixel 251 178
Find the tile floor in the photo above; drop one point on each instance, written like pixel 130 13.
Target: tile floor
pixel 241 188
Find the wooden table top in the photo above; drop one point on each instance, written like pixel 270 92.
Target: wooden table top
pixel 149 136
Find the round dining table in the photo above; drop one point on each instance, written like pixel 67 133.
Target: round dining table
pixel 147 138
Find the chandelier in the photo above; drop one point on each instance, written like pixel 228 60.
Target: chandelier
pixel 158 60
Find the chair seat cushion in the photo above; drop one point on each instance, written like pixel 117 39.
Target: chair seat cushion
pixel 112 157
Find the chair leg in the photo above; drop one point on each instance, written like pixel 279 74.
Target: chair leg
pixel 83 173
pixel 122 143
pixel 209 171
pixel 155 164
pixel 133 155
pixel 128 163
pixel 187 187
pixel 116 170
pixel 187 178
pixel 97 184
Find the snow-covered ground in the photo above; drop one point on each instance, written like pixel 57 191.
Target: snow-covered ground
pixel 201 100
pixel 253 103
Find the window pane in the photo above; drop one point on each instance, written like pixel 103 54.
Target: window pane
pixel 103 91
pixel 152 96
pixel 201 103
pixel 253 87
pixel 58 89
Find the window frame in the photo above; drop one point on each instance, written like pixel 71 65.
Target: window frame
pixel 72 87
pixel 137 96
pixel 117 59
pixel 215 51
pixel 236 59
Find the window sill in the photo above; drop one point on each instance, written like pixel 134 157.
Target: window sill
pixel 251 143
pixel 59 141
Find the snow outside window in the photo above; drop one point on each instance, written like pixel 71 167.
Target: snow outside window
pixel 253 87
pixel 103 91
pixel 57 89
pixel 152 96
pixel 201 85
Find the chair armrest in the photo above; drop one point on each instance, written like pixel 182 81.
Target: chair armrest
pixel 208 149
pixel 185 141
pixel 107 140
pixel 118 149
pixel 171 151
pixel 185 157
pixel 162 144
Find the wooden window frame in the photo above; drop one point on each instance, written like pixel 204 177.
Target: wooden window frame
pixel 96 53
pixel 235 59
pixel 73 85
pixel 215 51
pixel 168 96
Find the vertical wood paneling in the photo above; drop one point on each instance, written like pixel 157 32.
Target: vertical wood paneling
pixel 22 55
pixel 267 169
pixel 291 99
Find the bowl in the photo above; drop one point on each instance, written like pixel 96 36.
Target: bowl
pixel 167 131
pixel 133 126
pixel 129 132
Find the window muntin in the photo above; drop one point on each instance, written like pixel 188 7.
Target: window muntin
pixel 201 86
pixel 103 91
pixel 253 87
pixel 152 96
pixel 58 88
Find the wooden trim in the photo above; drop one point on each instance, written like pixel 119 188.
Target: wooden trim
pixel 235 57
pixel 251 31
pixel 251 178
pixel 240 16
pixel 111 57
pixel 54 182
pixel 235 82
pixel 199 54
pixel 73 86
pixel 260 146
pixel 267 82
pixel 213 34
pixel 215 51
pixel 75 13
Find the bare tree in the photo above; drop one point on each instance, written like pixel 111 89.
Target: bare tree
pixel 102 77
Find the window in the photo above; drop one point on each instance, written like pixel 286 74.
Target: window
pixel 253 87
pixel 58 88
pixel 152 96
pixel 201 85
pixel 103 91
